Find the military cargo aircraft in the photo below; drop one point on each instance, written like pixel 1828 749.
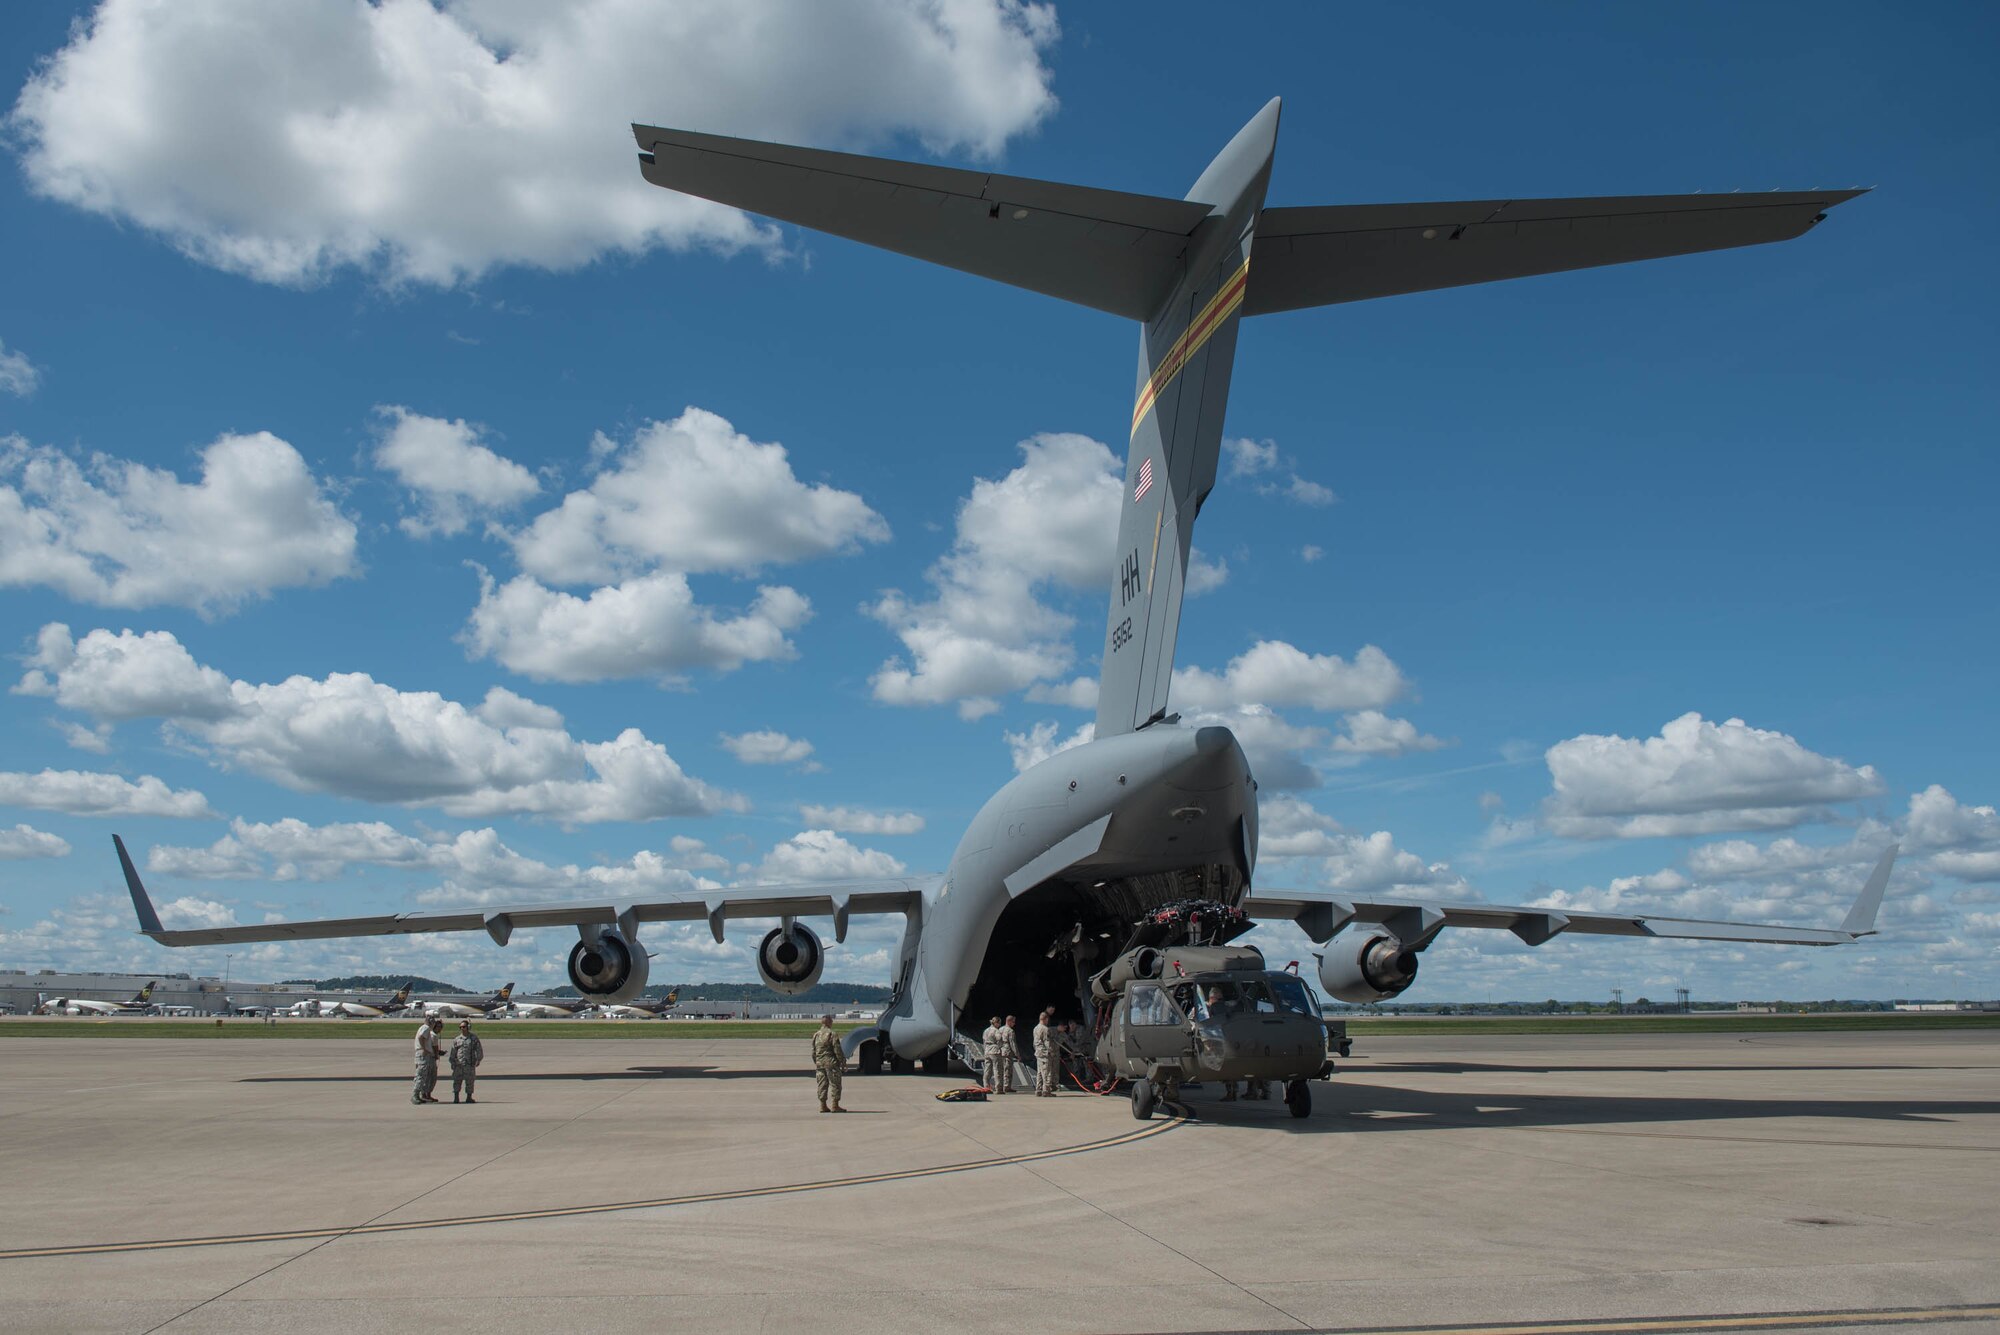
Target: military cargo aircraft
pixel 1066 861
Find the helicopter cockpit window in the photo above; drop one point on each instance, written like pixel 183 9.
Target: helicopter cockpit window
pixel 1188 997
pixel 1257 998
pixel 1293 996
pixel 1220 999
pixel 1149 1005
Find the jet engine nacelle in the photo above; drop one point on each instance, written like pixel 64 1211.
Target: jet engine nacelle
pixel 1133 964
pixel 608 969
pixel 1379 968
pixel 789 961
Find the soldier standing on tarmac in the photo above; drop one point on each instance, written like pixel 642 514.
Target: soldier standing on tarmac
pixel 1010 1052
pixel 994 1043
pixel 427 1062
pixel 466 1054
pixel 1045 1055
pixel 827 1062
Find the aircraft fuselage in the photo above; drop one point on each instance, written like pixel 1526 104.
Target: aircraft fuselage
pixel 1077 847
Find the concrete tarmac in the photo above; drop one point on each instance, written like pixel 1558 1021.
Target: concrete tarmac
pixel 1636 1183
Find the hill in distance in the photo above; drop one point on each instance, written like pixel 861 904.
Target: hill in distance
pixel 817 994
pixel 375 982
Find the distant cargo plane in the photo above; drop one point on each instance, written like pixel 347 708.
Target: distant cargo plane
pixel 1082 854
pixel 549 1010
pixel 140 1004
pixel 359 1010
pixel 470 1010
pixel 637 1010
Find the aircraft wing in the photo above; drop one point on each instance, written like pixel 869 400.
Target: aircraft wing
pixel 1351 252
pixel 1415 922
pixel 1105 249
pixel 836 900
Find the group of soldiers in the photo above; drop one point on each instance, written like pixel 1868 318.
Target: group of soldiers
pixel 465 1054
pixel 1053 1042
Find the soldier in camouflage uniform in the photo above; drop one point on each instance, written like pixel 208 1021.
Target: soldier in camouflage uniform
pixel 427 1062
pixel 827 1063
pixel 1010 1056
pixel 994 1043
pixel 1046 1062
pixel 466 1054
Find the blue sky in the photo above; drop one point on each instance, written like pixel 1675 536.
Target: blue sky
pixel 389 513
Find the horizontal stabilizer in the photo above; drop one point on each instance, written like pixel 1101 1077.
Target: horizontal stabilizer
pixel 1105 249
pixel 1351 252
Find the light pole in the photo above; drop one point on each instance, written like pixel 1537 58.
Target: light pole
pixel 225 980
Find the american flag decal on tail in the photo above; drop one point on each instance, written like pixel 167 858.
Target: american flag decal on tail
pixel 1145 479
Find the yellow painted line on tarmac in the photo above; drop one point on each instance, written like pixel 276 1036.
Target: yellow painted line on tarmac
pixel 1866 1316
pixel 607 1207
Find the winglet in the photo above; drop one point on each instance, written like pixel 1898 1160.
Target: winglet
pixel 1861 918
pixel 142 903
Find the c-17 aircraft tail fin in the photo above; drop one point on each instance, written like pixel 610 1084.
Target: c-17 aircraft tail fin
pixel 1185 269
pixel 1186 353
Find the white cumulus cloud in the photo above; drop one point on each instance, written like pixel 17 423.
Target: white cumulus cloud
pixel 1288 827
pixel 1043 740
pixel 86 793
pixel 18 375
pixel 25 841
pixel 352 735
pixel 1696 777
pixel 1370 732
pixel 431 143
pixel 822 855
pixel 987 631
pixel 1939 820
pixel 1276 674
pixel 1274 473
pixel 454 477
pixel 120 534
pixel 853 820
pixel 647 626
pixel 692 495
pixel 1077 693
pixel 476 865
pixel 766 747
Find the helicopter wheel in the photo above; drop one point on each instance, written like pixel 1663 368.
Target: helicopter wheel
pixel 1299 1098
pixel 1143 1098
